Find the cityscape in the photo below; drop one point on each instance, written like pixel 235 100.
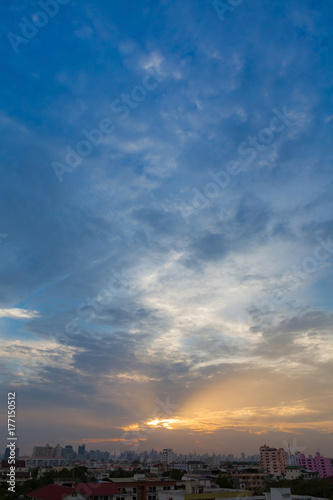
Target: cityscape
pixel 157 472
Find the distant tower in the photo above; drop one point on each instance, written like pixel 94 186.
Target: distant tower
pixel 82 450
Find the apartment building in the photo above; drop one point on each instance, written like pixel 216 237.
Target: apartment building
pixel 273 461
pixel 248 479
pixel 46 462
pixel 318 463
pixel 208 495
pixel 167 456
pixel 47 456
pixel 142 488
pixel 47 451
pixel 21 471
pixel 296 471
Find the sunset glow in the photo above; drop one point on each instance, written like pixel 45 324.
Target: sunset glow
pixel 167 423
pixel 166 224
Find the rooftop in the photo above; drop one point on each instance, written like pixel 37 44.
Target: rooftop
pixel 51 492
pixel 97 489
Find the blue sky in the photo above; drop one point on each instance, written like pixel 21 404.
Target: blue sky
pixel 183 251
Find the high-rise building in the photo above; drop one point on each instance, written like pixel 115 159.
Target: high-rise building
pixel 167 456
pixel 68 452
pixel 57 451
pixel 273 461
pixel 293 459
pixel 43 451
pixel 82 450
pixel 318 464
pixel 105 456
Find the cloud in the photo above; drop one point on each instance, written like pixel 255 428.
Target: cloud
pixel 121 298
pixel 18 313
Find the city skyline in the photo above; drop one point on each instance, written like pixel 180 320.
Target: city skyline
pixel 291 448
pixel 53 450
pixel 166 229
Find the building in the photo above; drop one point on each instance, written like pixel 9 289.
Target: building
pixel 7 453
pixel 53 492
pixel 180 466
pixel 167 456
pixel 46 462
pixel 293 472
pixel 107 491
pixel 210 495
pixel 57 451
pixel 285 494
pixel 141 488
pixel 194 464
pixel 248 479
pixel 81 491
pixel 68 453
pixel 273 461
pixel 21 471
pixel 278 494
pixel 43 451
pixel 47 451
pixel 318 464
pixel 196 484
pixel 296 471
pixel 82 450
pixel 158 469
pixel 293 459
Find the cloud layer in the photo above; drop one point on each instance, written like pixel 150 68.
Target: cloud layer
pixel 187 257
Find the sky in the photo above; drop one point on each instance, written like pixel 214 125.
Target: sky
pixel 166 230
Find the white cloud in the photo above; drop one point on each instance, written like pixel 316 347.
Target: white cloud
pixel 18 313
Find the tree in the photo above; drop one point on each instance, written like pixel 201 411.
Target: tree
pixel 313 487
pixel 34 473
pixel 177 474
pixel 224 482
pixel 81 473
